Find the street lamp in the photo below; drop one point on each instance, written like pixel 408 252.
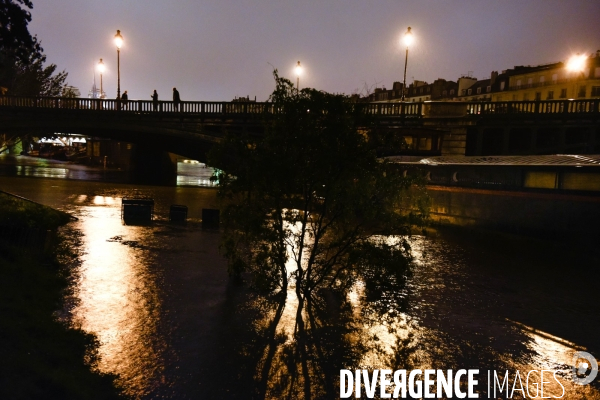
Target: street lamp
pixel 101 69
pixel 407 39
pixel 576 65
pixel 119 43
pixel 298 72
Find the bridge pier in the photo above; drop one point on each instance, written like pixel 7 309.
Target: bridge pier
pixel 150 165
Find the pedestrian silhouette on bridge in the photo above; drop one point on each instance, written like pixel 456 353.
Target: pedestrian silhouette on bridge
pixel 176 99
pixel 154 100
pixel 124 99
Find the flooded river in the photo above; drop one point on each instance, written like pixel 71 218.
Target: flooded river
pixel 172 324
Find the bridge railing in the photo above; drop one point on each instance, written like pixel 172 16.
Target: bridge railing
pixel 406 109
pixel 536 107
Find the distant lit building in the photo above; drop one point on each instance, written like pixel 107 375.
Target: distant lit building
pixel 550 82
pixel 521 83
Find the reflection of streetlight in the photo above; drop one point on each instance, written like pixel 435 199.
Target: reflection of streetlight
pixel 298 72
pixel 407 39
pixel 119 43
pixel 101 69
pixel 576 65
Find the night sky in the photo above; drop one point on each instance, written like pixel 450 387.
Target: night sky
pixel 218 50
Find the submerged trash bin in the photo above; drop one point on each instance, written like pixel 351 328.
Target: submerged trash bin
pixel 178 213
pixel 210 218
pixel 137 209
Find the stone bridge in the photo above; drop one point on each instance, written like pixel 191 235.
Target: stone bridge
pixel 430 128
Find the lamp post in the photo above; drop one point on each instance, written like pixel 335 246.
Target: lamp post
pixel 407 39
pixel 101 70
pixel 119 43
pixel 298 72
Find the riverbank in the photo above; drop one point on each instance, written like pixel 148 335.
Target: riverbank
pixel 41 356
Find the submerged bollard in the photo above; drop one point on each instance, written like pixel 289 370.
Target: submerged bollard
pixel 137 209
pixel 178 213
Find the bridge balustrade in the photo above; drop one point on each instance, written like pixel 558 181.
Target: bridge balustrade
pixel 406 109
pixel 537 107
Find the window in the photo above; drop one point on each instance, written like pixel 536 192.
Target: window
pixel 542 79
pixel 529 82
pixel 502 85
pixel 595 91
pixel 581 92
pixel 525 96
pixel 538 96
pixel 518 83
pixel 554 77
pixel 478 90
pixel 550 95
pixel 563 93
pixel 488 89
pixel 470 92
pixel 451 92
pixel 428 89
pixel 464 92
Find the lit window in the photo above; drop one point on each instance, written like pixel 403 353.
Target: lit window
pixel 518 83
pixel 502 85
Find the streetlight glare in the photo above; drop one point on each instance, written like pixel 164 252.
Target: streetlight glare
pixel 101 67
pixel 408 37
pixel 118 39
pixel 576 63
pixel 298 69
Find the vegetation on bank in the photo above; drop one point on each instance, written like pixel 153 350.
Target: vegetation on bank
pixel 42 358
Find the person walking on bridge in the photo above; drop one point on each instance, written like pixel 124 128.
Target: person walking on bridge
pixel 124 98
pixel 154 100
pixel 176 99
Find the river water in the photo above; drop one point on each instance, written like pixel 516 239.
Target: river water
pixel 172 325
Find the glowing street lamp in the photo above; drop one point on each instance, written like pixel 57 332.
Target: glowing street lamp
pixel 407 39
pixel 118 43
pixel 101 69
pixel 298 73
pixel 576 63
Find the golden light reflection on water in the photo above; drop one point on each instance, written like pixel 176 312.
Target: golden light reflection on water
pixel 379 341
pixel 117 297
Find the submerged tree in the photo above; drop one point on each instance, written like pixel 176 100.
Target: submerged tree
pixel 307 199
